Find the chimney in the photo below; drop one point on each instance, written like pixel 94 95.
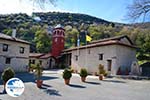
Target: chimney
pixel 14 33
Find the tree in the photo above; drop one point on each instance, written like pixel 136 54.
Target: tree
pixel 43 41
pixel 71 37
pixel 139 9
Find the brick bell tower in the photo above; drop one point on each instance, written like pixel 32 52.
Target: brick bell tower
pixel 58 40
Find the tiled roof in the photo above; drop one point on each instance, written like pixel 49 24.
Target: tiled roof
pixel 112 38
pixel 40 55
pixel 46 56
pixel 35 55
pixel 103 42
pixel 7 37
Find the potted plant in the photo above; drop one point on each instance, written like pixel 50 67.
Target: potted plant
pixel 83 74
pixel 67 75
pixel 7 74
pixel 38 73
pixel 31 67
pixel 102 72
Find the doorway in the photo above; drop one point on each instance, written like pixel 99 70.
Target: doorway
pixel 109 65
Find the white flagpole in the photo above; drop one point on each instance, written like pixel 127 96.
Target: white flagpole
pixel 85 50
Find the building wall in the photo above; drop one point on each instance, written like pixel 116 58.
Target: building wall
pixel 125 57
pixel 45 62
pixel 19 61
pixel 89 58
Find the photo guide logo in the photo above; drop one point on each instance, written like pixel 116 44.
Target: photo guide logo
pixel 14 87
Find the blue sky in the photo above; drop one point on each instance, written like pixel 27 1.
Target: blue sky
pixel 111 10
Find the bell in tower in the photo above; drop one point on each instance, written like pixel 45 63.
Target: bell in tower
pixel 58 40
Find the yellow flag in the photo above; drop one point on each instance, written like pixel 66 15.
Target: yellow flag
pixel 88 38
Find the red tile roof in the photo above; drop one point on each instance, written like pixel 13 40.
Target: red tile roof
pixel 46 56
pixel 103 42
pixel 35 55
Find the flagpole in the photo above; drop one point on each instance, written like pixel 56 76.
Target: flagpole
pixel 86 51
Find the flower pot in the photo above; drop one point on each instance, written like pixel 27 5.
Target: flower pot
pixel 101 77
pixel 67 81
pixel 39 83
pixel 83 79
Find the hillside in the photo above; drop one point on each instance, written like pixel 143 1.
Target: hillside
pixel 50 18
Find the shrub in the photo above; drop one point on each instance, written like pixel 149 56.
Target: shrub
pixel 102 70
pixel 67 74
pixel 38 71
pixel 83 72
pixel 7 74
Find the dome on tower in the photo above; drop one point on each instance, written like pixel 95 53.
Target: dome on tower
pixel 59 26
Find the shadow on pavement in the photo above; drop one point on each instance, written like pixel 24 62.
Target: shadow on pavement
pixel 29 77
pixel 50 91
pixel 114 81
pixel 94 83
pixel 76 86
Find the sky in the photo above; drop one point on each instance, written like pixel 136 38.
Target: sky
pixel 110 10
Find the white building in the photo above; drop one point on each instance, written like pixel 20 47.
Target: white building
pixel 47 61
pixel 112 53
pixel 13 53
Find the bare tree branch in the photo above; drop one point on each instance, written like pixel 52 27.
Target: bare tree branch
pixel 138 9
pixel 41 3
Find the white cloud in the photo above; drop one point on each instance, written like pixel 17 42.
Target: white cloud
pixel 24 6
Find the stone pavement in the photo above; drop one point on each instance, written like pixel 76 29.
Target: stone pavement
pixel 55 89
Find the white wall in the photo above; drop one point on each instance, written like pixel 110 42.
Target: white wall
pixel 120 56
pixel 45 62
pixel 91 61
pixel 125 56
pixel 18 61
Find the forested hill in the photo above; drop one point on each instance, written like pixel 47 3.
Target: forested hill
pixel 50 18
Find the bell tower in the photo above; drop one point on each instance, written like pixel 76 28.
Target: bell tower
pixel 58 40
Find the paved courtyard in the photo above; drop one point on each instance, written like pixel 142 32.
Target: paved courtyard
pixel 55 89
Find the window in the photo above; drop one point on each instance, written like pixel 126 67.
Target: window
pixel 21 49
pixel 8 61
pixel 55 39
pixel 100 56
pixel 5 47
pixel 55 33
pixel 40 62
pixel 32 61
pixel 76 57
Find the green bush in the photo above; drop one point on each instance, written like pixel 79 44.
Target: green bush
pixel 101 69
pixel 7 74
pixel 83 72
pixel 38 71
pixel 67 74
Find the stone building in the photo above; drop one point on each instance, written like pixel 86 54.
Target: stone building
pixel 47 61
pixel 113 53
pixel 13 53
